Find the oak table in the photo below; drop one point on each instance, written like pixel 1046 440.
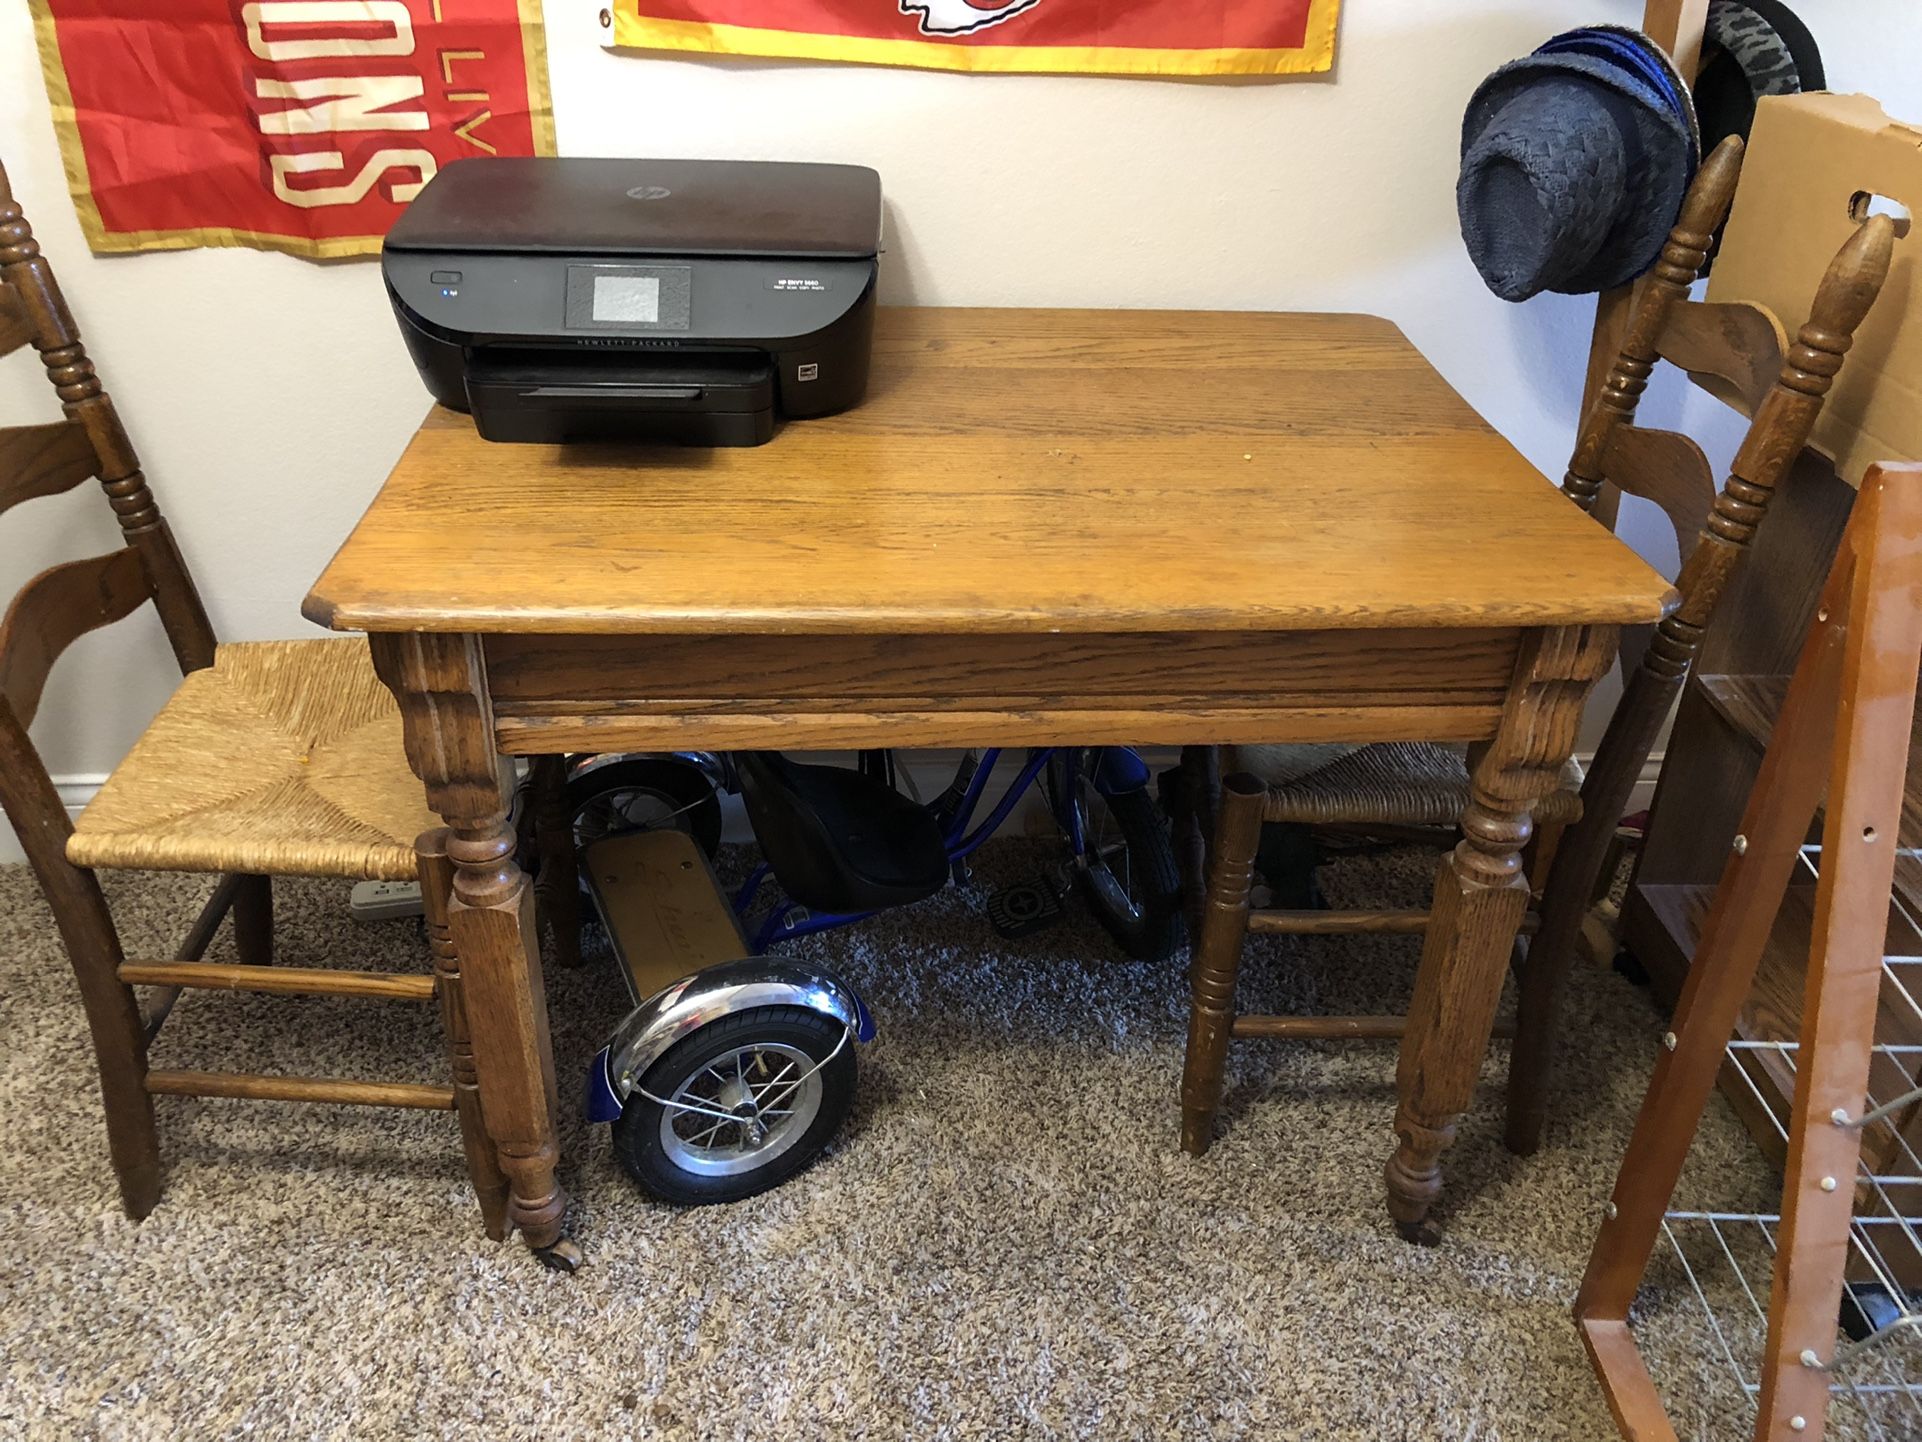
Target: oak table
pixel 1041 527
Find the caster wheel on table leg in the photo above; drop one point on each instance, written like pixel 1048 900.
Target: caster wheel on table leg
pixel 564 1256
pixel 1421 1234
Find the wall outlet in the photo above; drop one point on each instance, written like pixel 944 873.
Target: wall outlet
pixel 384 900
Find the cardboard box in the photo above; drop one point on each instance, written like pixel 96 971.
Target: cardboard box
pixel 1814 164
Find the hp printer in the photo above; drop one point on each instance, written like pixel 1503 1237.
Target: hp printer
pixel 672 301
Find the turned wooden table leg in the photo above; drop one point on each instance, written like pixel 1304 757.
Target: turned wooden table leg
pixel 1481 895
pixel 441 684
pixel 483 1164
pixel 1217 959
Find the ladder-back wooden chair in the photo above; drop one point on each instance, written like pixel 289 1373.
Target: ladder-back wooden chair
pixel 1412 784
pixel 273 758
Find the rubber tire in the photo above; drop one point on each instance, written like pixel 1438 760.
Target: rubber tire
pixel 637 1131
pixel 679 783
pixel 1158 931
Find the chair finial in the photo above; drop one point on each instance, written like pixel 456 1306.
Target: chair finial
pixel 1849 287
pixel 1704 209
pixel 1682 256
pixel 17 244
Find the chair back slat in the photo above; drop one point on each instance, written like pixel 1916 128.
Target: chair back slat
pixel 1782 387
pixel 27 280
pixel 1669 469
pixel 1774 443
pixel 55 609
pixel 14 329
pixel 1665 287
pixel 1731 349
pixel 43 461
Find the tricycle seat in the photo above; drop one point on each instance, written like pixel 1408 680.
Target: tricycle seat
pixel 839 841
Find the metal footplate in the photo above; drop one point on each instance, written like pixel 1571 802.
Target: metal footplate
pixel 663 908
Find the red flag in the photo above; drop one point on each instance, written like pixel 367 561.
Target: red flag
pixel 296 125
pixel 1144 37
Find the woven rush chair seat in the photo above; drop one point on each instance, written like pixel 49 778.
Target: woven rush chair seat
pixel 1394 783
pixel 282 758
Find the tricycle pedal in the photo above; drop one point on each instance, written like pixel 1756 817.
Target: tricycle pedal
pixel 1024 908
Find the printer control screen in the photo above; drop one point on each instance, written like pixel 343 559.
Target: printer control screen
pixel 629 297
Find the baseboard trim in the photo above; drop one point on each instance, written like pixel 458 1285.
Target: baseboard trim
pixel 931 771
pixel 1643 796
pixel 76 789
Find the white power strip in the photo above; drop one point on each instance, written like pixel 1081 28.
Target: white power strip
pixel 384 900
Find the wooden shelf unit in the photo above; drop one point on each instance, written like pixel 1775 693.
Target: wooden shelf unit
pixel 1748 703
pixel 1722 724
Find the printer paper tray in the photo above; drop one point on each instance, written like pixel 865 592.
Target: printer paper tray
pixel 679 399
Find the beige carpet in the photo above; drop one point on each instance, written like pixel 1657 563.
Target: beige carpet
pixel 1007 1243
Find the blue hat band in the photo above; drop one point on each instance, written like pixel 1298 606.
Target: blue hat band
pixel 1628 54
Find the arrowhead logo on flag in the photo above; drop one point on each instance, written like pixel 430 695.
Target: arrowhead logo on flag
pixel 1143 37
pixel 959 17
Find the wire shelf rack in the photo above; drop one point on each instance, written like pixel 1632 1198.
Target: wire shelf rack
pixel 1712 1296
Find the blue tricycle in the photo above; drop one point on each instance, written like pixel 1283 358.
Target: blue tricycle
pixel 735 1068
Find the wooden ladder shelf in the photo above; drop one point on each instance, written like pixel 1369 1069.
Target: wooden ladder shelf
pixel 1846 1241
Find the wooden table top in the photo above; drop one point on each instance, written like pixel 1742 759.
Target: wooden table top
pixel 1014 471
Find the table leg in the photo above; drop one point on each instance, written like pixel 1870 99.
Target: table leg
pixel 441 685
pixel 1481 895
pixel 483 1161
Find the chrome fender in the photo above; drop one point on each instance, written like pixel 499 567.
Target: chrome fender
pixel 678 1011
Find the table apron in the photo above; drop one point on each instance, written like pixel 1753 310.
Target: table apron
pixel 829 691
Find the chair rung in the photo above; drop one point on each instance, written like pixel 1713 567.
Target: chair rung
pixel 279 980
pixel 1335 923
pixel 250 1087
pixel 1351 923
pixel 1321 1028
pixel 1333 1028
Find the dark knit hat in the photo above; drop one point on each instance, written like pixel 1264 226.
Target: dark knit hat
pixel 1759 47
pixel 1575 160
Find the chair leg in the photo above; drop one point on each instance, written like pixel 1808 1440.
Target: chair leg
pixel 120 1052
pixel 254 920
pixel 1544 978
pixel 1572 884
pixel 1538 857
pixel 558 891
pixel 1193 823
pixel 483 1163
pixel 119 1042
pixel 29 801
pixel 1217 958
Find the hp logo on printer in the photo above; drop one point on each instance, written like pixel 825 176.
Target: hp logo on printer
pixel 649 192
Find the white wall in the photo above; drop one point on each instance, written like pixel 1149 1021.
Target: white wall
pixel 269 395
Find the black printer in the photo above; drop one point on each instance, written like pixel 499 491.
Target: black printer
pixel 678 301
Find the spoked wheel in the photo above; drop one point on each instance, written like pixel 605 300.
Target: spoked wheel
pixel 1129 878
pixel 742 1106
pixel 643 793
